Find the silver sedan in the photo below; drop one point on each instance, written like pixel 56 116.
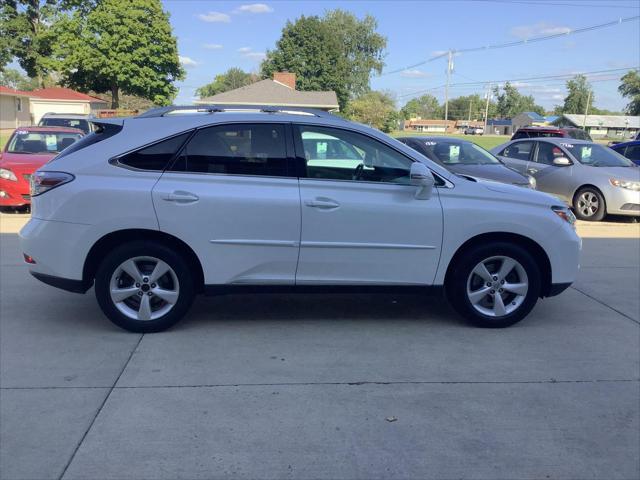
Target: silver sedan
pixel 589 177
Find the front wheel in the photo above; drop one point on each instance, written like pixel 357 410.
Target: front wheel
pixel 144 287
pixel 589 205
pixel 494 286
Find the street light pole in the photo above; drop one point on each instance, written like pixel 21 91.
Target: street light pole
pixel 486 109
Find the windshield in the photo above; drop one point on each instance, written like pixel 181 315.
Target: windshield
pixel 595 155
pixel 459 153
pixel 41 142
pixel 66 122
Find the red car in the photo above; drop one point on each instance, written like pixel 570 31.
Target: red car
pixel 564 132
pixel 27 150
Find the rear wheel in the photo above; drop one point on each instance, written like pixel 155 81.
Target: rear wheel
pixel 495 285
pixel 588 204
pixel 144 287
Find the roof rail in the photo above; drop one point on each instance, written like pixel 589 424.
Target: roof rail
pixel 163 111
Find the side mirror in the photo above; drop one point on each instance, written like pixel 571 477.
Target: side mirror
pixel 561 162
pixel 421 177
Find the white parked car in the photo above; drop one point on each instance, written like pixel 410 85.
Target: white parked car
pixel 473 131
pixel 157 208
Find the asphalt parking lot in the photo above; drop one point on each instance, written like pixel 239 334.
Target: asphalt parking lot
pixel 331 387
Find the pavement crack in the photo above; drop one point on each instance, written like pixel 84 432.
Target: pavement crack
pixel 93 420
pixel 606 305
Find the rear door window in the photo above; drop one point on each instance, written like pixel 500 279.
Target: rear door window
pixel 633 153
pixel 237 149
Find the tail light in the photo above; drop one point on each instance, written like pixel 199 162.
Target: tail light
pixel 44 181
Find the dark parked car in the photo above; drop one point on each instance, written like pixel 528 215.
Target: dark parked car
pixel 467 158
pixel 631 150
pixel 536 132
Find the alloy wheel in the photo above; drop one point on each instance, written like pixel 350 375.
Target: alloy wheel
pixel 144 288
pixel 497 286
pixel 588 204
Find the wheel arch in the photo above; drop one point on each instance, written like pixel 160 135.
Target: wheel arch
pixel 119 237
pixel 587 185
pixel 538 253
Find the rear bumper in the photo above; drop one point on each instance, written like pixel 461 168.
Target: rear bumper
pixel 75 286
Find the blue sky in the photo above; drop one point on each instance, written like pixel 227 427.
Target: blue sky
pixel 216 35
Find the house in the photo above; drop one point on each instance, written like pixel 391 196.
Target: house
pixel 18 108
pixel 62 100
pixel 281 91
pixel 528 119
pixel 429 126
pixel 15 110
pixel 499 126
pixel 601 126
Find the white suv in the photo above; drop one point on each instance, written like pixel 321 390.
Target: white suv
pixel 156 208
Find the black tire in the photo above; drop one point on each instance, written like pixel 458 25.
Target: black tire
pixel 459 276
pixel 580 209
pixel 112 261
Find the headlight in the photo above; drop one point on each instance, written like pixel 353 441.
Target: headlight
pixel 7 175
pixel 565 214
pixel 628 184
pixel 532 182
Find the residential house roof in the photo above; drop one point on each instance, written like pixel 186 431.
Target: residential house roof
pixel 536 117
pixel 551 118
pixel 12 92
pixel 63 94
pixel 270 92
pixel 605 121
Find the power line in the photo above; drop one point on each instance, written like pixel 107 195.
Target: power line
pixel 527 79
pixel 560 4
pixel 516 43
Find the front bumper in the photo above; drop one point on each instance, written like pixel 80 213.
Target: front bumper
pixel 14 194
pixel 621 201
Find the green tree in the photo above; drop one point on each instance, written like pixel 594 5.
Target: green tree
pixel 362 46
pixel 230 80
pixel 426 106
pixel 376 109
pixel 26 33
pixel 460 107
pixel 12 78
pixel 630 88
pixel 337 52
pixel 579 91
pixel 510 102
pixel 120 46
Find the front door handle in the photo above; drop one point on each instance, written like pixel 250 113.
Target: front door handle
pixel 322 203
pixel 181 197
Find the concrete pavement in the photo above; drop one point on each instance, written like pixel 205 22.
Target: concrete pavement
pixel 304 386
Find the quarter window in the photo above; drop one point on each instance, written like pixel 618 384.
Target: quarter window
pixel 156 156
pixel 336 154
pixel 518 151
pixel 237 149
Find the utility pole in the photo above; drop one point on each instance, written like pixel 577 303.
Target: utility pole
pixel 446 89
pixel 586 110
pixel 486 109
pixel 470 103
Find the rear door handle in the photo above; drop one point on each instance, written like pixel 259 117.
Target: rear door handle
pixel 181 197
pixel 322 203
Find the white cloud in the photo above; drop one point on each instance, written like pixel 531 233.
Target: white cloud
pixel 214 17
pixel 537 30
pixel 414 73
pixel 244 49
pixel 254 8
pixel 212 46
pixel 256 55
pixel 188 62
